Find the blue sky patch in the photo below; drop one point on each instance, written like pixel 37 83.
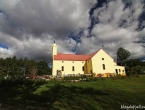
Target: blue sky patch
pixel 4 46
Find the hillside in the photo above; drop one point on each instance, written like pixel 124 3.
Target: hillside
pixel 100 94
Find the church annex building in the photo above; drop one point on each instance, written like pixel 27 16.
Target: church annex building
pixel 99 62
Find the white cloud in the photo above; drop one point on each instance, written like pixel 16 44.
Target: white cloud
pixel 34 48
pixel 49 16
pixel 4 53
pixel 33 24
pixel 111 34
pixel 8 3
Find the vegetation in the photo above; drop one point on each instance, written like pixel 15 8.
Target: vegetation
pixel 22 67
pixel 122 55
pixel 108 93
pixel 14 67
pixel 89 93
pixel 132 66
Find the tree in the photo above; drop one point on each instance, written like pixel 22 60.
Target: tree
pixel 1 65
pixel 122 55
pixel 43 67
pixel 133 62
pixel 18 67
pixel 33 71
pixel 137 69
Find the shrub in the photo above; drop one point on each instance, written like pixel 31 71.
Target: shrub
pixel 95 79
pixel 68 78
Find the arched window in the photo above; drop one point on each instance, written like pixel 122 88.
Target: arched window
pixel 62 68
pixel 103 66
pixel 83 68
pixel 73 68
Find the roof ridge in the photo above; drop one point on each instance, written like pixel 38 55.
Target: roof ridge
pixel 74 57
pixel 74 54
pixel 95 52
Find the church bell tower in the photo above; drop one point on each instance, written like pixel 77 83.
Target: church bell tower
pixel 54 49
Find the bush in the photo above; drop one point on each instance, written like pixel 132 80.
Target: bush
pixel 128 70
pixel 71 78
pixel 95 79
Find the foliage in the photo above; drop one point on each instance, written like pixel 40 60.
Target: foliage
pixel 134 71
pixel 137 69
pixel 132 66
pixel 128 70
pixel 133 62
pixel 34 71
pixel 122 55
pixel 22 67
pixel 67 78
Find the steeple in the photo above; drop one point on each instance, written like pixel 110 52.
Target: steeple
pixel 54 49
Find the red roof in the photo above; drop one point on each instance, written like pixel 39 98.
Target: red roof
pixel 73 57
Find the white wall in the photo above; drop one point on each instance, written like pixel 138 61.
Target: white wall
pixel 57 65
pixel 97 63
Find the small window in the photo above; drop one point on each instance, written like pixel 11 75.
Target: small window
pixel 116 71
pixel 83 68
pixel 122 70
pixel 62 61
pixel 73 68
pixel 119 70
pixel 82 62
pixel 88 61
pixel 73 61
pixel 102 58
pixel 103 66
pixel 62 68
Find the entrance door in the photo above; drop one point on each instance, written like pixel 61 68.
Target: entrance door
pixel 58 73
pixel 91 71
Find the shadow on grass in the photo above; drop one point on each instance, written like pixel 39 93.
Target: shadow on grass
pixel 57 96
pixel 58 92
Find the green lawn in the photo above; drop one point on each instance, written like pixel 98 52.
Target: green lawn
pixel 106 94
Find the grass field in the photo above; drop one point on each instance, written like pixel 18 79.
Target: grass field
pixel 106 94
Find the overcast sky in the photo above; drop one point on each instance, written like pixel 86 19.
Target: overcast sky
pixel 28 27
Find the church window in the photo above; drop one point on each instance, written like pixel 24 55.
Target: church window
pixel 103 66
pixel 73 68
pixel 83 68
pixel 62 68
pixel 116 71
pixel 102 58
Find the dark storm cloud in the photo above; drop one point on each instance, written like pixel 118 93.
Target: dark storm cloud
pixel 46 16
pixel 7 26
pixel 28 27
